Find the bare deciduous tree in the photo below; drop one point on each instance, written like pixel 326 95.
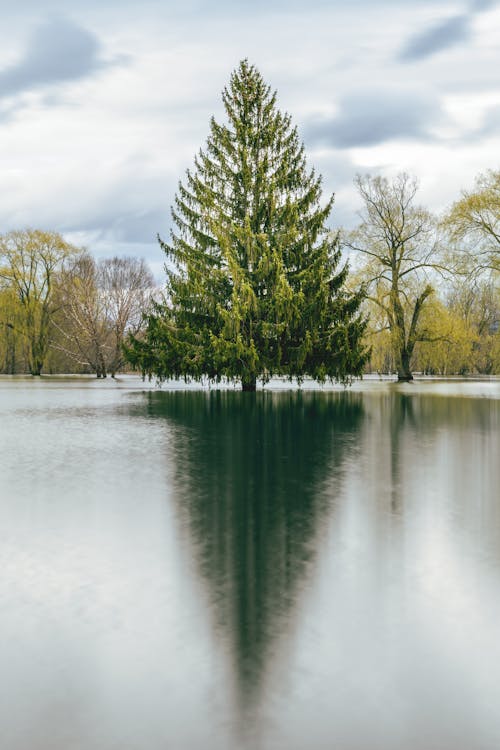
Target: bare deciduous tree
pixel 126 285
pixel 100 304
pixel 398 242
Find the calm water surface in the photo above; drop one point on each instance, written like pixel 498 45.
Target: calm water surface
pixel 193 570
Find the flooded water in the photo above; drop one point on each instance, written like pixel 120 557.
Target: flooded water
pixel 216 570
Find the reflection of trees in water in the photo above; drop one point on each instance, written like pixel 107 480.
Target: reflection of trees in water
pixel 402 416
pixel 411 427
pixel 248 476
pixel 455 412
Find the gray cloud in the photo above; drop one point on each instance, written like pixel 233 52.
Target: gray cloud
pixel 59 51
pixel 369 118
pixel 445 34
pixel 114 225
pixel 139 227
pixel 437 38
pixel 478 5
pixel 489 127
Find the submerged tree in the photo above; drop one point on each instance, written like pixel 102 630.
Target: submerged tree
pixel 12 342
pixel 100 303
pixel 398 242
pixel 253 284
pixel 30 262
pixel 81 328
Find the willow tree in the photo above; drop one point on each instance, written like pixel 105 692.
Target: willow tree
pixel 30 263
pixel 253 284
pixel 475 220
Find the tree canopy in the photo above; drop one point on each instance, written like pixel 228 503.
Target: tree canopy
pixel 99 304
pixel 475 218
pixel 397 239
pixel 30 261
pixel 254 288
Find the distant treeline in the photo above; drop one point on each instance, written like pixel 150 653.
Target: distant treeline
pixel 61 311
pixel 432 284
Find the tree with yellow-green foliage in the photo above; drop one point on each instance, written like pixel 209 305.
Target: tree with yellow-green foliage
pixel 473 222
pixel 30 261
pixel 473 228
pixel 448 348
pixel 12 344
pixel 475 298
pixel 397 255
pixel 433 297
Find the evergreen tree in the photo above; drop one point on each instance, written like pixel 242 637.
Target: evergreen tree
pixel 253 288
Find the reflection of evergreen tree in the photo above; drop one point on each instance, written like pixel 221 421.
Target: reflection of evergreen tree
pixel 407 423
pixel 248 477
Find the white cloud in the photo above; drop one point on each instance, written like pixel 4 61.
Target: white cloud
pixel 101 155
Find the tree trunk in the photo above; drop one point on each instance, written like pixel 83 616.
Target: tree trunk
pixel 35 366
pixel 101 366
pixel 404 372
pixel 39 341
pixel 249 383
pixel 35 357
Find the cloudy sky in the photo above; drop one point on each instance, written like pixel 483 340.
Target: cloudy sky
pixel 103 103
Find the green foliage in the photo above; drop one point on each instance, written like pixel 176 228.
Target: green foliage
pixel 447 346
pixel 253 288
pixel 12 343
pixel 475 220
pixel 30 261
pixel 60 310
pixel 458 331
